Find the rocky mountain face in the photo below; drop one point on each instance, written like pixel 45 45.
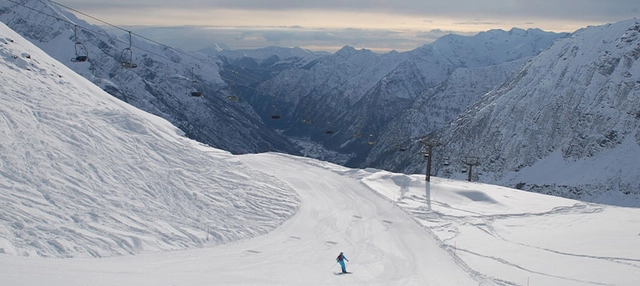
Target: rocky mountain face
pixel 566 123
pixel 161 83
pixel 400 147
pixel 357 102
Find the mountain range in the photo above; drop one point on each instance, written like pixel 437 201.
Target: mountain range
pixel 512 101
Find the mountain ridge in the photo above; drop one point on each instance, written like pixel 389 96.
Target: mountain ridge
pixel 577 100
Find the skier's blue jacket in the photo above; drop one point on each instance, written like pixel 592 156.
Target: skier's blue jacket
pixel 341 258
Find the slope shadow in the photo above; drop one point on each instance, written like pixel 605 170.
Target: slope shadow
pixel 477 196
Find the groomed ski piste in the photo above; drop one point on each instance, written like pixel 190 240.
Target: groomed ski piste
pixel 95 192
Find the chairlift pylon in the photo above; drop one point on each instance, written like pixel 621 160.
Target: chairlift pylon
pixel 126 56
pixel 82 54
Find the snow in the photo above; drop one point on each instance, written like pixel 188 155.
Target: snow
pixel 96 192
pixel 565 123
pixel 582 170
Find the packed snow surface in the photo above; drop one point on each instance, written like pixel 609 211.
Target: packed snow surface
pixel 95 192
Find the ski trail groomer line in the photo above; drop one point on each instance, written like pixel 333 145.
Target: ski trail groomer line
pixel 341 258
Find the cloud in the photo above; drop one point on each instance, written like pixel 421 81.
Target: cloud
pixel 192 38
pixel 331 24
pixel 595 10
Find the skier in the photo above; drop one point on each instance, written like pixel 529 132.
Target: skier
pixel 341 258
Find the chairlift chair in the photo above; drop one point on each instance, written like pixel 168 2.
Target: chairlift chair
pixel 400 145
pixel 357 128
pixel 275 114
pixel 82 54
pixel 126 56
pixel 328 130
pixel 194 92
pixel 371 141
pixel 126 59
pixel 235 83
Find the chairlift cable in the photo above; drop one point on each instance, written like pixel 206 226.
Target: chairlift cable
pixel 101 34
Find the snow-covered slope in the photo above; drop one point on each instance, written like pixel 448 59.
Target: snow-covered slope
pixel 159 85
pixel 85 174
pixel 567 123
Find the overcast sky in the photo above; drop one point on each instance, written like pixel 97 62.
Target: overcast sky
pixel 330 24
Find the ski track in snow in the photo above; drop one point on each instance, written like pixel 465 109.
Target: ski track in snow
pixel 383 240
pixel 450 223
